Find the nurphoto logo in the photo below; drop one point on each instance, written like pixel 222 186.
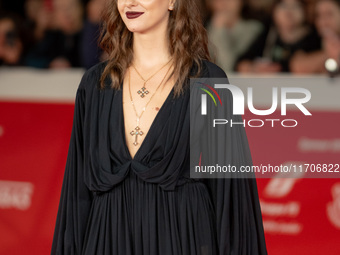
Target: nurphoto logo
pixel 238 104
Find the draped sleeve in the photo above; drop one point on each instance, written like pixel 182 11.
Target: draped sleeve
pixel 235 200
pixel 75 199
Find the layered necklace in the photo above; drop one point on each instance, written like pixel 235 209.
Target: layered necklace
pixel 143 91
pixel 137 131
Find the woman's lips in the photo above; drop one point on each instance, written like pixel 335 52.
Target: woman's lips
pixel 133 15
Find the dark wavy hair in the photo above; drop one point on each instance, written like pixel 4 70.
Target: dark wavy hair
pixel 187 43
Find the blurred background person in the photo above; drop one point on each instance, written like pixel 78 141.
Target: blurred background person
pixel 39 22
pixel 230 35
pixel 38 17
pixel 91 53
pixel 68 15
pixel 272 50
pixel 327 22
pixel 60 43
pixel 12 40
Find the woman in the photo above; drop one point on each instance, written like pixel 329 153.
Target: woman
pixel 273 50
pixel 127 187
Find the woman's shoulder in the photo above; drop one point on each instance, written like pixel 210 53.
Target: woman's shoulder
pixel 212 70
pixel 91 76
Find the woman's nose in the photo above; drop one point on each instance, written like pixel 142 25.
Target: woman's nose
pixel 130 2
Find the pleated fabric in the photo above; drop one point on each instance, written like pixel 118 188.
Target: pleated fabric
pixel 149 205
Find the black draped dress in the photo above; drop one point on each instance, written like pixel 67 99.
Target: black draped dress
pixel 112 204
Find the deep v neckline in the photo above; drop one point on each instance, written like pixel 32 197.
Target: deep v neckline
pixel 151 126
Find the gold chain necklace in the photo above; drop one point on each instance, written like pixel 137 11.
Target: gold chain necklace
pixel 136 132
pixel 143 91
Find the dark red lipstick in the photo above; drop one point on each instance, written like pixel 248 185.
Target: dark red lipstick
pixel 133 15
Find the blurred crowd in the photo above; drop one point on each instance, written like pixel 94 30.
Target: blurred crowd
pixel 247 36
pixel 50 33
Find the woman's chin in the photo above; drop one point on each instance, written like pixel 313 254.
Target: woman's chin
pixel 136 29
pixel 133 27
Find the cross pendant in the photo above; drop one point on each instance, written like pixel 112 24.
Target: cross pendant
pixel 142 92
pixel 136 133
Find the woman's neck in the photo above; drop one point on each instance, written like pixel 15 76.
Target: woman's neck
pixel 151 49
